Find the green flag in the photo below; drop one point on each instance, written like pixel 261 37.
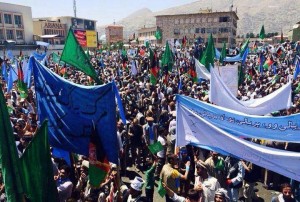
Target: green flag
pixel 9 160
pixel 161 190
pixel 74 55
pixel 209 54
pixel 167 58
pixel 223 54
pixel 297 90
pixel 158 35
pixel 244 47
pixel 56 59
pixel 241 75
pixel 155 147
pixel 262 33
pixel 36 165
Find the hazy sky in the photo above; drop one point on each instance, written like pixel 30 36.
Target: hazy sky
pixel 104 11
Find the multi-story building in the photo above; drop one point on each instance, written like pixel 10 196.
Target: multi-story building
pixel 114 34
pixel 147 34
pixel 223 26
pixel 294 33
pixel 16 23
pixel 54 30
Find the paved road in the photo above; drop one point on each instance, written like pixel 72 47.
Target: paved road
pixel 265 195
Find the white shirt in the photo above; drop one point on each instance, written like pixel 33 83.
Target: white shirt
pixel 65 191
pixel 162 153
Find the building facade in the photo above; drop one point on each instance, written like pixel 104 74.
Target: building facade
pixel 55 29
pixel 223 26
pixel 294 33
pixel 16 23
pixel 114 34
pixel 53 32
pixel 147 34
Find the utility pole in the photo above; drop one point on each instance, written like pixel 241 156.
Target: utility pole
pixel 74 8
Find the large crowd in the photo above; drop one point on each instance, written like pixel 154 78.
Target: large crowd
pixel 187 173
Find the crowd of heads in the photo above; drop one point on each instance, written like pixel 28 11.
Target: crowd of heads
pixel 152 105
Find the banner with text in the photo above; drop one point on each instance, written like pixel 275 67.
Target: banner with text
pixel 282 129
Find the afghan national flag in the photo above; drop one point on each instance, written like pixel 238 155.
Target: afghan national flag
pixel 99 165
pixel 184 39
pixel 124 58
pixel 154 70
pixel 279 51
pixel 252 71
pixel 268 63
pixel 22 88
pixel 193 74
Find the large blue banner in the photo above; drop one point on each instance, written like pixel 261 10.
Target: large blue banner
pixel 71 110
pixel 285 128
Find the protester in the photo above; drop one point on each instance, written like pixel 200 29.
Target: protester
pixel 150 110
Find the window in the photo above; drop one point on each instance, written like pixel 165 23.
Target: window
pixel 221 40
pixel 0 17
pixel 19 34
pixel 209 19
pixel 192 20
pixel 224 30
pixel 209 30
pixel 198 20
pixel 1 34
pixel 204 20
pixel 176 31
pixel 176 21
pixel 214 30
pixel 10 34
pixel 181 31
pixel 216 19
pixel 197 30
pixel 18 20
pixel 202 30
pixel 187 21
pixel 181 21
pixel 7 19
pixel 224 19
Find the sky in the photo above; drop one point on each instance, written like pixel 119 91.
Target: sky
pixel 103 11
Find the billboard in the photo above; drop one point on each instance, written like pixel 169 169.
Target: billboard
pixel 78 23
pixel 89 25
pixel 86 38
pixel 91 39
pixel 81 37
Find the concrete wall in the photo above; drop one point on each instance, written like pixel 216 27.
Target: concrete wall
pixel 26 15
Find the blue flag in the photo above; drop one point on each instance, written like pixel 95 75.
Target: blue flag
pixel 297 69
pixel 261 62
pixel 10 80
pixel 71 110
pixel 245 55
pixel 4 72
pixel 120 105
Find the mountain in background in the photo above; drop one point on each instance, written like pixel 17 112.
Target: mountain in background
pixel 275 15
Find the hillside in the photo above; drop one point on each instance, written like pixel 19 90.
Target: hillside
pixel 274 14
